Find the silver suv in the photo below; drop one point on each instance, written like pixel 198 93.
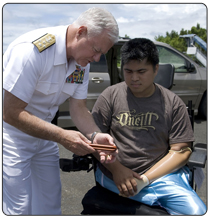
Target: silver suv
pixel 190 79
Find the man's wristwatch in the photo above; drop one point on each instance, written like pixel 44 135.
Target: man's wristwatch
pixel 93 136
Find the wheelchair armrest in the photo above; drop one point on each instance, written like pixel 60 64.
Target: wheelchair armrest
pixel 198 156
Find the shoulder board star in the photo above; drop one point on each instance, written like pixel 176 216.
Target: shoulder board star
pixel 44 42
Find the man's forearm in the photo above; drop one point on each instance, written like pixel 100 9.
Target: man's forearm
pixel 35 126
pixel 14 113
pixel 82 118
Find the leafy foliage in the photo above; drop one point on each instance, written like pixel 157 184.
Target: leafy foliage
pixel 180 44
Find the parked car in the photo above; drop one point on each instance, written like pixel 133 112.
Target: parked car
pixel 190 79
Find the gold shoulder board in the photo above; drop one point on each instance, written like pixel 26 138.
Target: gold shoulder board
pixel 44 42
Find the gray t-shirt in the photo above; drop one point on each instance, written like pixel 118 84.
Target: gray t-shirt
pixel 142 128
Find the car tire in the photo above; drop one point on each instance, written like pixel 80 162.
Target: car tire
pixel 203 107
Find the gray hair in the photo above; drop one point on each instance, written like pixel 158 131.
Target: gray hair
pixel 98 20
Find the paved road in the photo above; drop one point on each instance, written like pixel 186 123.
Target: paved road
pixel 76 184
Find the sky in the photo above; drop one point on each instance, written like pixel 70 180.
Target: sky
pixel 136 20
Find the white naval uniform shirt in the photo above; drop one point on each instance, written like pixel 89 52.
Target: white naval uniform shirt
pixel 39 79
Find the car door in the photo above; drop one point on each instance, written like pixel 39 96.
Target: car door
pixel 99 80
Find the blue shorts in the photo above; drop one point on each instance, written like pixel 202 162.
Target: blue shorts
pixel 171 192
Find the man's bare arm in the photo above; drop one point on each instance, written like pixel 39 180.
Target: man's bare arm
pixel 87 126
pixel 14 113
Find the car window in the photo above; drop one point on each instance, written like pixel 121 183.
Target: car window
pixel 100 66
pixel 169 56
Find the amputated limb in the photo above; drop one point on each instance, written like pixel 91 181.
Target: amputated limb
pixel 173 161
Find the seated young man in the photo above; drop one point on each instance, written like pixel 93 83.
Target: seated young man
pixel 152 131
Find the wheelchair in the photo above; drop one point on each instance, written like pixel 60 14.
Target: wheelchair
pixel 101 201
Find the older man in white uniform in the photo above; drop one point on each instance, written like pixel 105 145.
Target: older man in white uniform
pixel 42 69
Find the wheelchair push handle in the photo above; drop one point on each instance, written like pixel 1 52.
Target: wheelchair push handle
pixel 103 147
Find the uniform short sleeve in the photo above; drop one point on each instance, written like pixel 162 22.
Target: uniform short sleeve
pixel 21 69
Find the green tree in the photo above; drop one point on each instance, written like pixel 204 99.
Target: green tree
pixel 178 43
pixel 126 36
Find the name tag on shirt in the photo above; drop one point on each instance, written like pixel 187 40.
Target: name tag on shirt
pixel 77 76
